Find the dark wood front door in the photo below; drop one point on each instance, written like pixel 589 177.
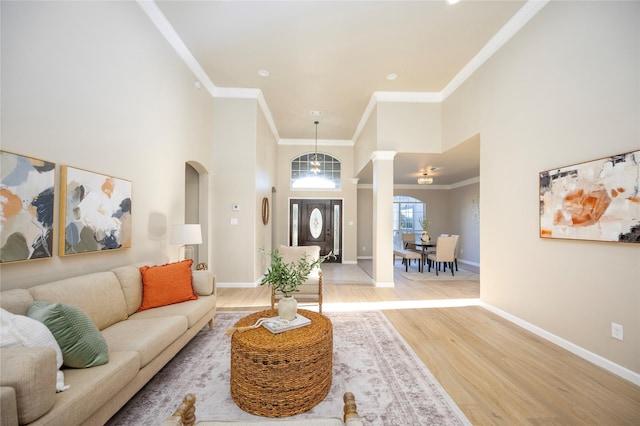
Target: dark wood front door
pixel 317 223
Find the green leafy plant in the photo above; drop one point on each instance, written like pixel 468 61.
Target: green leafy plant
pixel 287 277
pixel 424 223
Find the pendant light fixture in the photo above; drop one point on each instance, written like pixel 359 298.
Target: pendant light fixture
pixel 315 164
pixel 425 179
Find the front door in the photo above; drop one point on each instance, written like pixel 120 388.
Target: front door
pixel 317 223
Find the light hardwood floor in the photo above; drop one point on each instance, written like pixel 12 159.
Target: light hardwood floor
pixel 497 372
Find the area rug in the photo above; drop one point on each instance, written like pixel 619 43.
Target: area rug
pixel 460 275
pixel 391 384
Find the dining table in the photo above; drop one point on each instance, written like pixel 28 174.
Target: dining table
pixel 424 245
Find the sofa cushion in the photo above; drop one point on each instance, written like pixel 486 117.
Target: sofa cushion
pixel 166 284
pixel 194 310
pixel 81 342
pixel 131 283
pixel 21 331
pixel 8 406
pixel 203 282
pixel 148 337
pixel 32 373
pixel 92 388
pixel 16 301
pixel 99 295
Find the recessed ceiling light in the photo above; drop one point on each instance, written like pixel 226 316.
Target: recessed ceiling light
pixel 315 113
pixel 392 76
pixel 263 73
pixel 452 1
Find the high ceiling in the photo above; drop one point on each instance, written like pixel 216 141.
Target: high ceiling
pixel 332 56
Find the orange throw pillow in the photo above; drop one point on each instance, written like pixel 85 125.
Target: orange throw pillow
pixel 166 284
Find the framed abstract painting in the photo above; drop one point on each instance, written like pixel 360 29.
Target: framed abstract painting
pixel 598 200
pixel 27 194
pixel 95 210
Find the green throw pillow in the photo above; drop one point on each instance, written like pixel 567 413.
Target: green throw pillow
pixel 81 342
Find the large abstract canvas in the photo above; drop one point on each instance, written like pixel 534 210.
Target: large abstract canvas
pixel 27 192
pixel 597 200
pixel 95 210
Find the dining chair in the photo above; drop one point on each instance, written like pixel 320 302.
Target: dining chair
pixel 445 248
pixel 455 251
pixel 407 239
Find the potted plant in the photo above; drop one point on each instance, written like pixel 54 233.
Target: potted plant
pixel 287 277
pixel 424 223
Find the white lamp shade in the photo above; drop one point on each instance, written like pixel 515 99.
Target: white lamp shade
pixel 186 234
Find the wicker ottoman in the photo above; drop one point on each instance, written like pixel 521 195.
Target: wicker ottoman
pixel 277 375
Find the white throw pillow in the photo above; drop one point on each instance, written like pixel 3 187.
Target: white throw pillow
pixel 20 330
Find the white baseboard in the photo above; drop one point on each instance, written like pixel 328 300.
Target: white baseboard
pixel 348 262
pixel 583 353
pixel 365 257
pixel 383 284
pixel 468 262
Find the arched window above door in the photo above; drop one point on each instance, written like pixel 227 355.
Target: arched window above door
pixel 327 176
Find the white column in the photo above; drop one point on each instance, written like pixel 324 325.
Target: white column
pixel 383 218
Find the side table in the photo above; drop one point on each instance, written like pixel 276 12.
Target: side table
pixel 277 375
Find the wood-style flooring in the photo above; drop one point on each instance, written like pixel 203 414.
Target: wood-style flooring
pixel 495 371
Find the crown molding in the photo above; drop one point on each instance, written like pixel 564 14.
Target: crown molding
pixel 515 24
pixel 166 29
pixel 248 93
pixel 519 20
pixel 383 155
pixel 427 187
pixel 465 182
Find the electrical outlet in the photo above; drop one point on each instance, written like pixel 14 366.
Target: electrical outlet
pixel 617 331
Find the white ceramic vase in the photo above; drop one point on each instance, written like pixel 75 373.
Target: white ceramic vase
pixel 287 308
pixel 425 237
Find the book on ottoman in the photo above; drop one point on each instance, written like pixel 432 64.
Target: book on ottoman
pixel 276 325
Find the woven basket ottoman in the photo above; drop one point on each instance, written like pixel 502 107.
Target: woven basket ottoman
pixel 278 375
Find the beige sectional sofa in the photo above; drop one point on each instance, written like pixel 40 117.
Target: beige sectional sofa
pixel 140 344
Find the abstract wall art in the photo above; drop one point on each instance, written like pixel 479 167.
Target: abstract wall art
pixel 598 200
pixel 27 192
pixel 95 210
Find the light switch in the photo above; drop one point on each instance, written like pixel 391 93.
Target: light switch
pixel 234 220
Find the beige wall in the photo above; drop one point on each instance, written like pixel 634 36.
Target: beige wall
pixel 464 220
pixel 409 127
pixel 564 90
pixel 366 143
pixel 235 175
pixel 266 173
pixel 78 93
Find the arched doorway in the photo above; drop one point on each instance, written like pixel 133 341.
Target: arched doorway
pixel 196 208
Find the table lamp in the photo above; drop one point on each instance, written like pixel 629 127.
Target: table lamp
pixel 186 235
